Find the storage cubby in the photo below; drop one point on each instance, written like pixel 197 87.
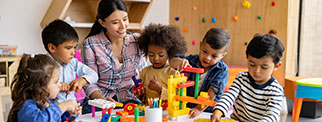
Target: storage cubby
pixel 8 67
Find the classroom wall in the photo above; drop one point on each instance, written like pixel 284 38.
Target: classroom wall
pixel 311 39
pixel 20 22
pixel 281 17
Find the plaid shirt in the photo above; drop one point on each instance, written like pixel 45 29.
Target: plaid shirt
pixel 114 78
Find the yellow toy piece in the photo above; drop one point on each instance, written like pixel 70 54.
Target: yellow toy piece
pixel 118 104
pixel 201 120
pixel 228 120
pixel 173 104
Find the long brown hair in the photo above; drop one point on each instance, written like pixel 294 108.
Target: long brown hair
pixel 105 9
pixel 30 82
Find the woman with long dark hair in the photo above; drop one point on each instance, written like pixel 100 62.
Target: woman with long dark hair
pixel 113 53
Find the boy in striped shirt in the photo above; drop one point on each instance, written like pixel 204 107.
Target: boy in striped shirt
pixel 255 94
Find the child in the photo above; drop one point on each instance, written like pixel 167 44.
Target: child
pixel 34 91
pixel 255 94
pixel 214 79
pixel 159 42
pixel 60 40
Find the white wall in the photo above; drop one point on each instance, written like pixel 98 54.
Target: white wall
pixel 20 22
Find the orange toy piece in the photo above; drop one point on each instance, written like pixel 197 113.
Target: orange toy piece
pixel 196 101
pixel 131 119
pixel 141 119
pixel 122 113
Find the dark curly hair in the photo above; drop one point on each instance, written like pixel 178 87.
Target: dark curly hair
pixel 30 82
pixel 166 36
pixel 265 45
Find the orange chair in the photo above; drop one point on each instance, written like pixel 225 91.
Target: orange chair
pixel 233 71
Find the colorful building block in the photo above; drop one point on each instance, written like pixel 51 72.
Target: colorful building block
pixel 101 103
pixel 122 113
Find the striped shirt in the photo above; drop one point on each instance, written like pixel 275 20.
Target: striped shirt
pixel 252 102
pixel 114 77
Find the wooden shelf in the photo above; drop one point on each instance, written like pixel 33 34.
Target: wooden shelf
pixel 132 26
pixel 3 76
pixel 82 14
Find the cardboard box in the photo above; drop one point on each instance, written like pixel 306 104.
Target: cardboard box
pixel 6 50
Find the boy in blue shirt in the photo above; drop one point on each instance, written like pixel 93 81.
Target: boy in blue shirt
pixel 214 79
pixel 60 40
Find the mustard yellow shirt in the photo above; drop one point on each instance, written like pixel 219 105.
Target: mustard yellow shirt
pixel 162 76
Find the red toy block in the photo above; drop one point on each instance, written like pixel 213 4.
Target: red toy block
pixel 122 113
pixel 186 84
pixel 193 70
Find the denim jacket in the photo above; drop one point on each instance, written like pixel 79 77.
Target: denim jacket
pixel 216 78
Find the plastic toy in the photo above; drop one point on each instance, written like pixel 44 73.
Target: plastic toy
pixel 115 118
pixel 136 115
pixel 103 104
pixel 203 19
pixel 105 118
pixel 129 108
pixel 122 113
pixel 177 103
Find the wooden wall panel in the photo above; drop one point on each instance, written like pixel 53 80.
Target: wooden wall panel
pixel 241 31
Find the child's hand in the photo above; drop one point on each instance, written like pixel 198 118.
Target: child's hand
pixel 179 63
pixel 216 116
pixel 64 87
pixel 155 85
pixel 77 84
pixel 184 63
pixel 194 112
pixel 70 106
pixel 77 111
